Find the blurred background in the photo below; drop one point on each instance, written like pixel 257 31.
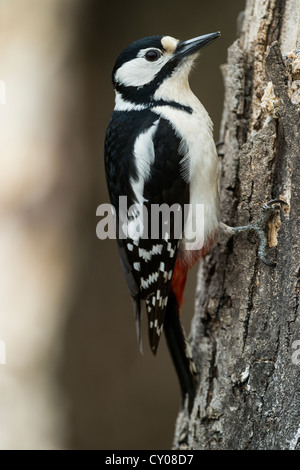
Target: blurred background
pixel 72 376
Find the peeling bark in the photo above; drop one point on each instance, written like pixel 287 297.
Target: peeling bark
pixel 247 314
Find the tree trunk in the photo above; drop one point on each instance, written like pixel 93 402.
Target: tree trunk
pixel 245 333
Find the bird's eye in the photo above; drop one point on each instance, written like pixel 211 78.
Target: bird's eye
pixel 152 55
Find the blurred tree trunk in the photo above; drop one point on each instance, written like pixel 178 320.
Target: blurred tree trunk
pixel 46 190
pixel 247 320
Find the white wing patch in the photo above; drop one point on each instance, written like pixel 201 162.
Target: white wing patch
pixel 144 155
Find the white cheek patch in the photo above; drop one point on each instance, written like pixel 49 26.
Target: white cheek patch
pixel 137 72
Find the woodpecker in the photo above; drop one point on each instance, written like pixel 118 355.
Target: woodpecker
pixel 159 149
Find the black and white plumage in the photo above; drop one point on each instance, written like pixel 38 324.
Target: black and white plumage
pixel 159 149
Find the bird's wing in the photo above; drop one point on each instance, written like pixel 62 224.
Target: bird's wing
pixel 148 261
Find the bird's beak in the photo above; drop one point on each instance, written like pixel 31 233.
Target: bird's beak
pixel 185 48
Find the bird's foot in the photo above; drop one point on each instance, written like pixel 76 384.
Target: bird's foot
pixel 269 210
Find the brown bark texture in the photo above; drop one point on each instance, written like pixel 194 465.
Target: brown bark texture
pixel 245 332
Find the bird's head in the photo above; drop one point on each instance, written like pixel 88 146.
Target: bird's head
pixel 149 64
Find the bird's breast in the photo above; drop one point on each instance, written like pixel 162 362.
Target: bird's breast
pixel 199 168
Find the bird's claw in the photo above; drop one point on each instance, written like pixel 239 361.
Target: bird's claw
pixel 270 203
pixel 267 262
pixel 269 210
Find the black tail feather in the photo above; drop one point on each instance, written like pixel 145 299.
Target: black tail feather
pixel 137 314
pixel 180 351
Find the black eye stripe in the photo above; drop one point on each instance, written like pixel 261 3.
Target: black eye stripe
pixel 152 55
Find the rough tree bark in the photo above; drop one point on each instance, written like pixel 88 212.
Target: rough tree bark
pixel 246 325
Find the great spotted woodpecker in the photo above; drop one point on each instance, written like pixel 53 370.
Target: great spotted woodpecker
pixel 159 149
